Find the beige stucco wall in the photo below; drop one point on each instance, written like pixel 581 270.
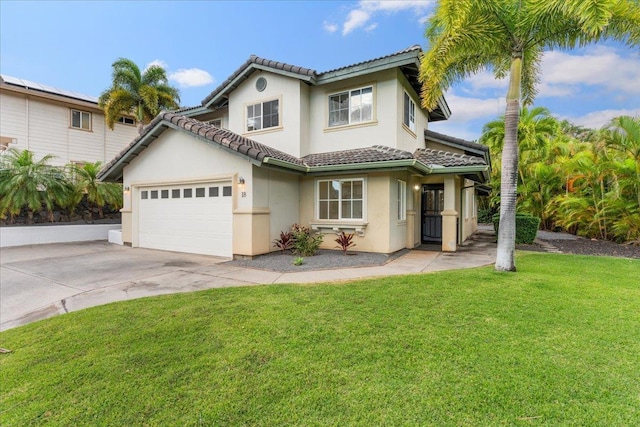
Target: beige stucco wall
pixel 409 140
pixel 177 157
pixel 383 233
pixel 279 193
pixel 285 137
pixel 381 130
pixel 42 125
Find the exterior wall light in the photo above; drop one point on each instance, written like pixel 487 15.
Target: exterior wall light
pixel 416 187
pixel 241 186
pixel 127 189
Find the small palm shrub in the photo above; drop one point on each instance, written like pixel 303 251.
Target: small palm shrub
pixel 305 244
pixel 345 241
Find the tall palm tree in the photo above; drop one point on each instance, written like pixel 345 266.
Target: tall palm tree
pixel 142 94
pixel 25 182
pixel 509 37
pixel 98 193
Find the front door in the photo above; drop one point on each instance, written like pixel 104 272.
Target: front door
pixel 432 206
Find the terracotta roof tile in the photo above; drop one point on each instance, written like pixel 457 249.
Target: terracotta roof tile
pixel 469 144
pixel 432 157
pixel 413 48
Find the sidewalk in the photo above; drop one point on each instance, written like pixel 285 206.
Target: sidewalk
pixel 37 282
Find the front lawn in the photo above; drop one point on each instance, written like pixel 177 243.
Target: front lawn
pixel 557 343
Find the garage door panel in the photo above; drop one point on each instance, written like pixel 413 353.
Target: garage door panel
pixel 202 223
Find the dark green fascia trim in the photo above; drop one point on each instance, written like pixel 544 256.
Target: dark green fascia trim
pixel 303 77
pixel 459 169
pixel 406 58
pixel 195 111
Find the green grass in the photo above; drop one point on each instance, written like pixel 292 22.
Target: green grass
pixel 557 343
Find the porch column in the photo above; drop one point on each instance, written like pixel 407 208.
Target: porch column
pixel 449 215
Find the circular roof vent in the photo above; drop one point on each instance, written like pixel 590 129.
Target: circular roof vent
pixel 261 84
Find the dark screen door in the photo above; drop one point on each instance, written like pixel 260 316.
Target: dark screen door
pixel 432 206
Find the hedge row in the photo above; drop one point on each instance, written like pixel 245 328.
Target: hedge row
pixel 526 227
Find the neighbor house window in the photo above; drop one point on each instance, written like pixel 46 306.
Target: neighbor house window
pixel 216 122
pixel 127 120
pixel 80 120
pixel 354 106
pixel 263 115
pixel 402 200
pixel 409 117
pixel 341 199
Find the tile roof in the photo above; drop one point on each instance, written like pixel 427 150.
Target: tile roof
pixel 414 48
pixel 47 89
pixel 441 158
pixel 260 152
pixel 377 153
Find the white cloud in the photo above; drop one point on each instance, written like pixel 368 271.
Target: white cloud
pixel 597 119
pixel 158 62
pixel 603 66
pixel 371 27
pixel 359 17
pixel 464 109
pixel 329 27
pixel 191 77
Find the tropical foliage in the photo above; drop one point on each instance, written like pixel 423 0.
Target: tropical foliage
pixel 142 94
pixel 99 194
pixel 582 181
pixel 27 184
pixel 509 38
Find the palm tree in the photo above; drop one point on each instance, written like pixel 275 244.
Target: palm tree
pixel 142 94
pixel 510 37
pixel 27 183
pixel 98 193
pixel 623 134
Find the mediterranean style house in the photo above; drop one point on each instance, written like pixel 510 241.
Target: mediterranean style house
pixel 68 125
pixel 276 144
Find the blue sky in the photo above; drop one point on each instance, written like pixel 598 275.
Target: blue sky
pixel 71 45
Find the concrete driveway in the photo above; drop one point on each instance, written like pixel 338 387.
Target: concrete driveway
pixel 41 281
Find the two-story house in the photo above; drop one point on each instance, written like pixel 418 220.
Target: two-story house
pixel 66 124
pixel 276 144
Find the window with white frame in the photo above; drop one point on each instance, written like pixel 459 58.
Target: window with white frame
pixel 80 120
pixel 402 200
pixel 409 116
pixel 341 199
pixel 263 115
pixel 127 120
pixel 349 107
pixel 216 122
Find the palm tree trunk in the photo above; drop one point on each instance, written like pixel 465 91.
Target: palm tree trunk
pixel 505 256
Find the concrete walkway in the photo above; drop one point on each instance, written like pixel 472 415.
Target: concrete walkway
pixel 41 281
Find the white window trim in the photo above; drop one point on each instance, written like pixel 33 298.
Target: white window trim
pixel 411 126
pixel 341 221
pixel 122 118
pixel 402 200
pixel 212 122
pixel 373 120
pixel 262 102
pixel 90 129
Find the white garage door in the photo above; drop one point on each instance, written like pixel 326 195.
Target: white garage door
pixel 194 218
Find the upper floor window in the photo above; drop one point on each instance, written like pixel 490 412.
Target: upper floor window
pixel 409 117
pixel 127 120
pixel 353 106
pixel 341 199
pixel 263 115
pixel 216 122
pixel 80 120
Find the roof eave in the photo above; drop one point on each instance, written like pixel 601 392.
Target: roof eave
pixel 382 64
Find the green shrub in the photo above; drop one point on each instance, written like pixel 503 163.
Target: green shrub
pixel 304 243
pixel 526 227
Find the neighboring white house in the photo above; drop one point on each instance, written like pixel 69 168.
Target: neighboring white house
pixel 68 125
pixel 276 144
